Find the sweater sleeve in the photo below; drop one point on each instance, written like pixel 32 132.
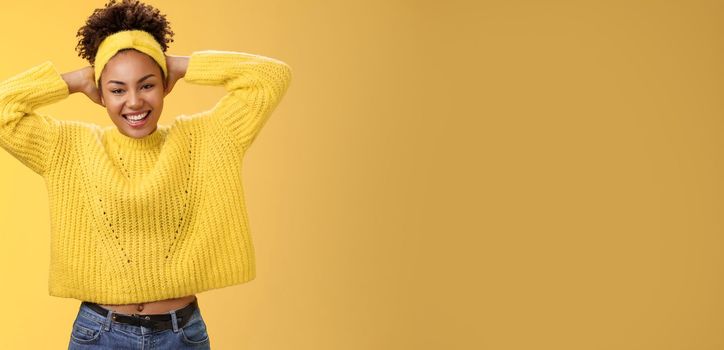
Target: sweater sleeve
pixel 26 135
pixel 255 84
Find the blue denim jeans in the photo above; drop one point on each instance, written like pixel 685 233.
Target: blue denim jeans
pixel 93 331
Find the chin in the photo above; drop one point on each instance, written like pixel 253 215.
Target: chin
pixel 141 133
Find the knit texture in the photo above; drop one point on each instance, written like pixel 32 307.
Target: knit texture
pixel 164 216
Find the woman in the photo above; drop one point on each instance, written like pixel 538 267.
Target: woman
pixel 143 216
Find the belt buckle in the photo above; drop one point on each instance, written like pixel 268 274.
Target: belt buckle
pixel 140 320
pixel 146 321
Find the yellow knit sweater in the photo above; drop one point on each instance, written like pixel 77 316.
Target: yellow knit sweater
pixel 137 220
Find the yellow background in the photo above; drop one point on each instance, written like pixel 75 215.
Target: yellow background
pixel 440 175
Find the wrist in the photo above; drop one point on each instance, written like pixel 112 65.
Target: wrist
pixel 178 65
pixel 78 80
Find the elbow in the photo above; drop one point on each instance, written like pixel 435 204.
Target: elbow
pixel 282 76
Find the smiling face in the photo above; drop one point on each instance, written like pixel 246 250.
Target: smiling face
pixel 132 91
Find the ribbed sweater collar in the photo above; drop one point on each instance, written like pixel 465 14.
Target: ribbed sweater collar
pixel 152 140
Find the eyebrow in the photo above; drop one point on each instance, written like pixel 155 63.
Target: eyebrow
pixel 122 83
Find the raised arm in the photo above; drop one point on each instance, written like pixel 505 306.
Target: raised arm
pixel 28 136
pixel 255 84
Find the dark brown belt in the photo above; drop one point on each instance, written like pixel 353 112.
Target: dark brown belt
pixel 155 322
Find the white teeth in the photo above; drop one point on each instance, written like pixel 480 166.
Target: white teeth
pixel 136 117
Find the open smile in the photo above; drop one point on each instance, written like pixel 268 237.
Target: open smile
pixel 138 119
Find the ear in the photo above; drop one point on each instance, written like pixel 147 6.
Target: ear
pixel 100 93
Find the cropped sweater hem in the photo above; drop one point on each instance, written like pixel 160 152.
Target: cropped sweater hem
pixel 123 298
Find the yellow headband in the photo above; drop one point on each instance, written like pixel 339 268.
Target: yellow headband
pixel 128 39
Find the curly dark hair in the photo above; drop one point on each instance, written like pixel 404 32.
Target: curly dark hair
pixel 117 16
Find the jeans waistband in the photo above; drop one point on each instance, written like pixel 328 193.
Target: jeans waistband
pixel 172 320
